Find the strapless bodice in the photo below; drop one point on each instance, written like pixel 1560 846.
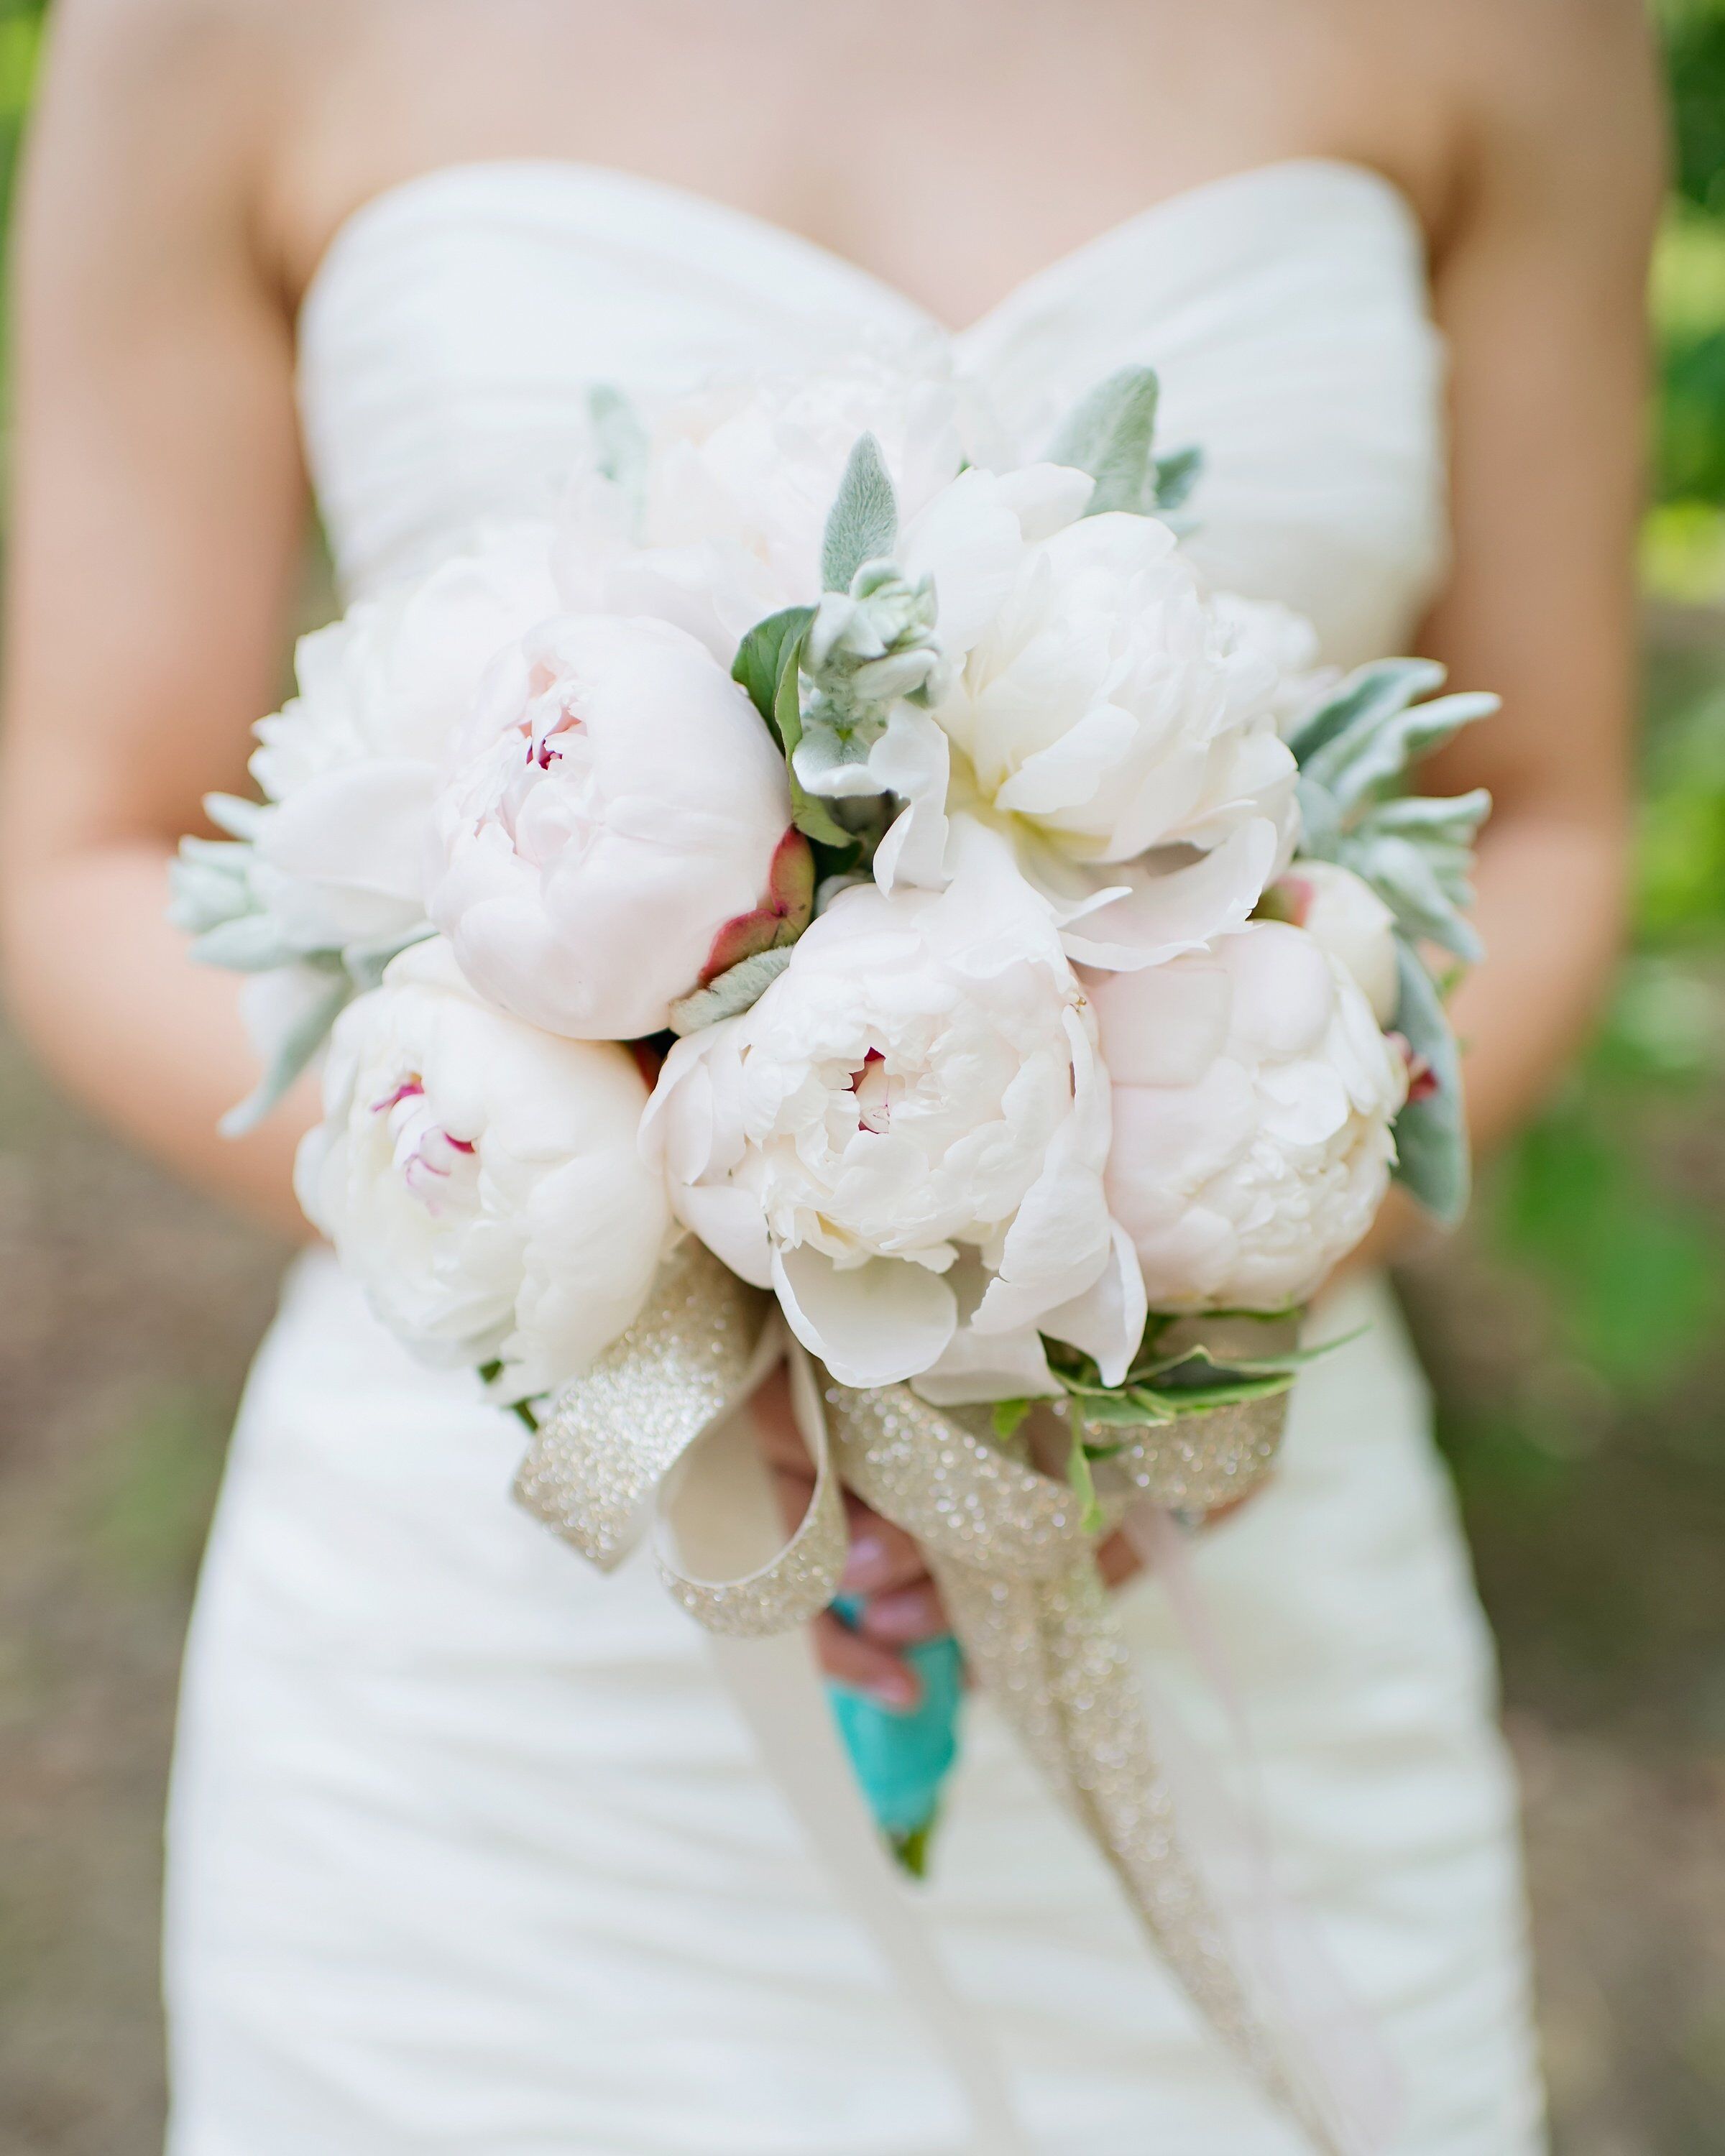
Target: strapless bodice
pixel 452 330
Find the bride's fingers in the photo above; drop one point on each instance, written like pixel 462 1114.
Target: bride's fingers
pixel 1117 1561
pixel 865 1663
pixel 883 1557
pixel 906 1616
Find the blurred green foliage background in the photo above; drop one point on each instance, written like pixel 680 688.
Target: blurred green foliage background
pixel 1575 1333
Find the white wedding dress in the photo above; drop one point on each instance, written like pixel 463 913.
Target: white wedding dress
pixel 469 1853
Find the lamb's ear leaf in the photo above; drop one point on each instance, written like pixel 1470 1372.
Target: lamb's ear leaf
pixel 366 962
pixel 1175 476
pixel 863 523
pixel 1363 701
pixel 762 657
pixel 1433 819
pixel 619 435
pixel 1374 761
pixel 738 988
pixel 250 943
pixel 1431 1133
pixel 231 813
pixel 296 1050
pixel 1407 879
pixel 1108 433
pixel 768 665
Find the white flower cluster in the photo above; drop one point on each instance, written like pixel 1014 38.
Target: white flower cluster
pixel 929 803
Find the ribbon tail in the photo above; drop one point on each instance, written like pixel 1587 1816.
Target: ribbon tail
pixel 772 1681
pixel 1273 1940
pixel 1050 1652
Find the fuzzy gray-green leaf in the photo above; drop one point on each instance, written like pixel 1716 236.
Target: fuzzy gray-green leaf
pixel 1404 877
pixel 251 944
pixel 231 813
pixel 738 988
pixel 1175 476
pixel 297 1048
pixel 1376 761
pixel 863 526
pixel 1431 1133
pixel 1109 434
pixel 1452 820
pixel 1360 703
pixel 619 436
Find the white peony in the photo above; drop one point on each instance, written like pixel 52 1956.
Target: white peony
pixel 724 523
pixel 620 833
pixel 1351 922
pixel 482 1180
pixel 906 1137
pixel 1252 1100
pixel 353 763
pixel 1115 708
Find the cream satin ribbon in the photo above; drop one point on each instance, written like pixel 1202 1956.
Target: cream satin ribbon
pixel 651 1435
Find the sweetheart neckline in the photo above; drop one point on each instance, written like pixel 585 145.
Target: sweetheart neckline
pixel 1204 193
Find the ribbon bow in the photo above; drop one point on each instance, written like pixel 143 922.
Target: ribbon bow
pixel 1004 1542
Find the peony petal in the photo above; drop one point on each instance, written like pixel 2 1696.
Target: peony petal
pixel 978 1366
pixel 728 1220
pixel 1107 1320
pixel 871 1324
pixel 1073 768
pixel 1164 1025
pixel 911 759
pixel 1180 909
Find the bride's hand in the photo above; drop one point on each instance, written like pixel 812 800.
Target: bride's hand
pixel 901 1604
pixel 885 1569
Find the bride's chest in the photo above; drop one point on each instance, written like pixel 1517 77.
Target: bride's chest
pixel 951 146
pixel 457 321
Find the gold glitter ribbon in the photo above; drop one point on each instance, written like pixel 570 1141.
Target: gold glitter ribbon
pixel 1004 1542
pixel 620 1442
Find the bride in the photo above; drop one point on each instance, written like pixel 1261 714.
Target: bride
pixel 468 1849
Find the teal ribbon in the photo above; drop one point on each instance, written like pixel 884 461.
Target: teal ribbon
pixel 902 1756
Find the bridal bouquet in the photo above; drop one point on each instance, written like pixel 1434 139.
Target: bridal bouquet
pixel 839 889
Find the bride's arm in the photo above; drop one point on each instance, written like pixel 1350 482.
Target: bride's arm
pixel 154 548
pixel 1540 293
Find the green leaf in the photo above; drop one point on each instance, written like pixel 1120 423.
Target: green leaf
pixel 1120 1410
pixel 863 525
pixel 1228 1392
pixel 763 656
pixel 1007 1416
pixel 1245 1365
pixel 768 665
pixel 1431 1134
pixel 1084 1485
pixel 1108 434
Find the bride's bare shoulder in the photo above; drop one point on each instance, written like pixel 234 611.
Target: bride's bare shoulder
pixel 174 79
pixel 1538 74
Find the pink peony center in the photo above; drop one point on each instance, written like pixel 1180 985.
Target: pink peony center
pixel 874 1105
pixel 426 1156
